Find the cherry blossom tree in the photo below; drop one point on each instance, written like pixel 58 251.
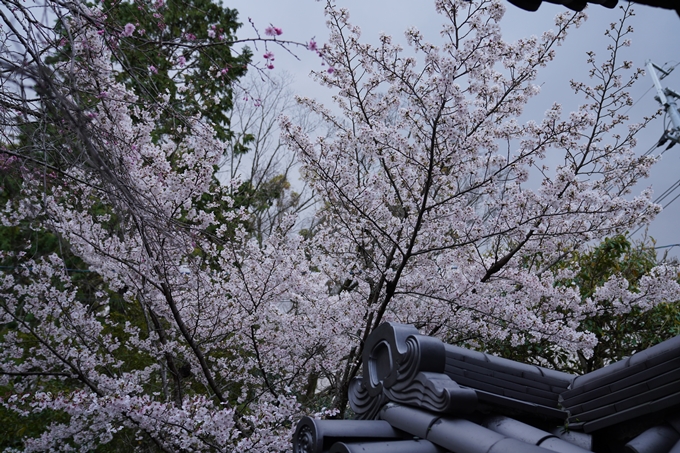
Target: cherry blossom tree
pixel 196 335
pixel 184 344
pixel 446 210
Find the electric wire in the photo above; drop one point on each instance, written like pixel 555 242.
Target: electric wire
pixel 666 193
pixel 669 191
pixel 675 198
pixel 639 99
pixel 667 246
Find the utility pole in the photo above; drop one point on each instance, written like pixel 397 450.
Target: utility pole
pixel 667 98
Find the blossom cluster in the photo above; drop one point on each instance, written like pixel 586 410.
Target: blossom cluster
pixel 432 217
pixel 196 335
pixel 185 298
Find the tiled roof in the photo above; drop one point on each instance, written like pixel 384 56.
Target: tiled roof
pixel 421 395
pixel 502 381
pixel 644 383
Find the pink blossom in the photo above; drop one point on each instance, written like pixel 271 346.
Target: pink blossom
pixel 181 61
pixel 311 45
pixel 129 30
pixel 272 31
pixel 268 56
pixel 211 33
pixel 153 69
pixel 6 162
pixel 190 36
pixel 401 177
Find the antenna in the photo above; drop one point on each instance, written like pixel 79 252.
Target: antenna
pixel 667 98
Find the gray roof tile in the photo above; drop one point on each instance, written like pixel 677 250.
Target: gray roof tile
pixel 562 446
pixel 317 436
pixel 529 434
pixel 577 438
pixel 456 368
pixel 395 446
pixel 637 411
pixel 436 384
pixel 659 439
pixel 641 397
pixel 455 434
pixel 676 448
pixel 656 355
pixel 521 405
pixel 504 388
pixel 413 421
pixel 510 367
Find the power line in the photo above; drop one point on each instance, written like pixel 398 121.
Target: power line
pixel 639 99
pixel 665 193
pixel 669 70
pixel 676 197
pixel 667 246
pixel 666 98
pixel 668 191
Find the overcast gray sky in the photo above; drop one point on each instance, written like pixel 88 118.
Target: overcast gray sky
pixel 656 37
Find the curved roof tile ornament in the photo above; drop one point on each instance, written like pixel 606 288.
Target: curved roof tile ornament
pixel 402 366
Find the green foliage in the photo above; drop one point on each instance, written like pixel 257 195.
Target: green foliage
pixel 613 256
pixel 15 426
pixel 208 75
pixel 619 335
pixel 261 198
pixel 180 44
